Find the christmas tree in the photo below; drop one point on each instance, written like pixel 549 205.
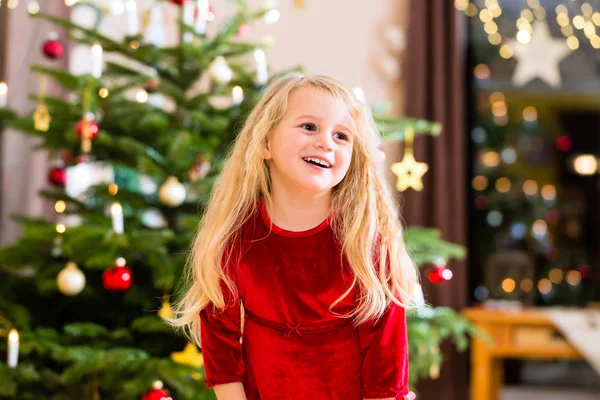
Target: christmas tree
pixel 138 147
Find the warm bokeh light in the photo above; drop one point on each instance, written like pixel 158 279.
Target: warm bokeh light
pixel 556 275
pixel 141 96
pixel 527 15
pixel 480 183
pixel 548 192
pixel 533 3
pixel 526 285
pixel 482 71
pixel 524 37
pixel 497 97
pixel 506 52
pixel 540 227
pixel 540 13
pixel 508 285
pixel 578 22
pixel 113 188
pixel 587 9
pixel 495 38
pixel 103 92
pixel 61 228
pixel 490 27
pixel 530 187
pixel 544 286
pixel 595 42
pixel 491 158
pixel 499 109
pixel 503 185
pixel 563 19
pixel 471 10
pixel 530 114
pixel 485 15
pixel 461 5
pixel 562 9
pixel 567 30
pixel 60 206
pixel 573 277
pixel 585 164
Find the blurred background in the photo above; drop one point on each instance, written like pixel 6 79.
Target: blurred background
pixel 115 114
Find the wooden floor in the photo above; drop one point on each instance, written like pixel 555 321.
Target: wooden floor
pixel 518 393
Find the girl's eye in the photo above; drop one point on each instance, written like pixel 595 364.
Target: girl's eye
pixel 311 127
pixel 341 136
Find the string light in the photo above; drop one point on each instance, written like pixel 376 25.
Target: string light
pixel 544 286
pixel 526 285
pixel 60 206
pixel 508 285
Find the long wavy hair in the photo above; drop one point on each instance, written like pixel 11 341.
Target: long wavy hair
pixel 365 215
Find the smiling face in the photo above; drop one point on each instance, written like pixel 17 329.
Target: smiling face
pixel 311 147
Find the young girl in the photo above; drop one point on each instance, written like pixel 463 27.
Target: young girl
pixel 298 275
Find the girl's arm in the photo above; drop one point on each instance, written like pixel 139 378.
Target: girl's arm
pixel 384 348
pixel 230 391
pixel 220 337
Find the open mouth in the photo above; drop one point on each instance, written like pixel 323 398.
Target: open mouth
pixel 317 162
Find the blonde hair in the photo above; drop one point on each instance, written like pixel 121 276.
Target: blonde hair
pixel 365 215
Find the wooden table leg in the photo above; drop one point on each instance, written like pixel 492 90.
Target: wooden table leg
pixel 497 378
pixel 481 371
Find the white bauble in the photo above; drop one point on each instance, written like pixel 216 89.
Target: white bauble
pixel 172 193
pixel 154 219
pixel 220 71
pixel 70 280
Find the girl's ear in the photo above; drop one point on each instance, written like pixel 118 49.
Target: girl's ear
pixel 267 150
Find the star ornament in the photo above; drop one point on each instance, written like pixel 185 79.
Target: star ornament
pixel 540 57
pixel 409 172
pixel 189 356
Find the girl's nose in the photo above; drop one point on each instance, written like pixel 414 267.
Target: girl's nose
pixel 324 141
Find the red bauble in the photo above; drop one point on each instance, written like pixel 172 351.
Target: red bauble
pixel 57 176
pixel 93 129
pixel 178 1
pixel 53 48
pixel 156 394
pixel 117 279
pixel 439 275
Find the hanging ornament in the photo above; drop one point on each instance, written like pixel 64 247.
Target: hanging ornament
pixel 409 171
pixel 165 312
pixel 57 176
pixel 220 71
pixel 539 58
pixel 117 278
pixel 91 125
pixel 157 393
pixel 87 128
pixel 151 85
pixel 189 356
pixel 52 47
pixel 41 116
pixel 199 168
pixel 172 192
pixel 179 2
pixel 70 280
pixel 439 274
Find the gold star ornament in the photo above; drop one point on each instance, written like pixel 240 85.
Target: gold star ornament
pixel 409 171
pixel 189 356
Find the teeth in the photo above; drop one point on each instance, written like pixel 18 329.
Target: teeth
pixel 316 160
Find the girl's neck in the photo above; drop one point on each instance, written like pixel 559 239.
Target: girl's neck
pixel 296 213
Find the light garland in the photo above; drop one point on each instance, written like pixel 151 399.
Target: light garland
pixel 574 16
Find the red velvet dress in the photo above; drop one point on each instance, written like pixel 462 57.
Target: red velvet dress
pixel 293 347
